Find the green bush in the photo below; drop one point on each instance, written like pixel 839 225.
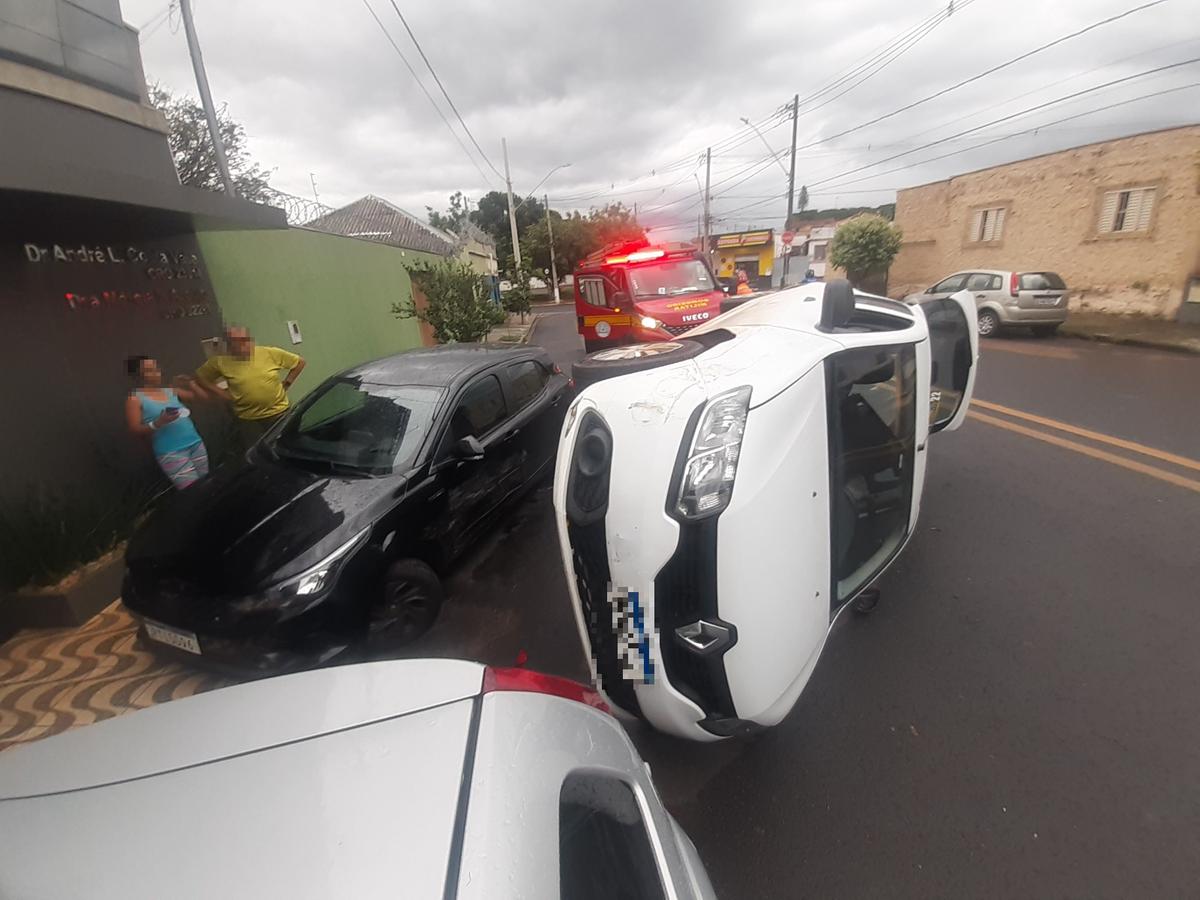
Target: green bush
pixel 460 308
pixel 864 246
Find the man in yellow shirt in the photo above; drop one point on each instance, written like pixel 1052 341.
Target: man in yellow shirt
pixel 256 385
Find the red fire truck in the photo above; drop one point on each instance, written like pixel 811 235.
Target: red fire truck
pixel 637 291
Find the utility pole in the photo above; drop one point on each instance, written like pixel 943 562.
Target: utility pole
pixel 512 213
pixel 189 29
pixel 707 177
pixel 550 234
pixel 787 251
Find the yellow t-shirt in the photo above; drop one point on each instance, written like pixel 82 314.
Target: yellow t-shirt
pixel 255 383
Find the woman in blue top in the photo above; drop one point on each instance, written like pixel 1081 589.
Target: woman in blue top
pixel 156 412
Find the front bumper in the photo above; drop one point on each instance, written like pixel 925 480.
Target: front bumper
pixel 242 645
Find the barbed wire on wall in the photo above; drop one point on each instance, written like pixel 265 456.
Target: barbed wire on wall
pixel 299 210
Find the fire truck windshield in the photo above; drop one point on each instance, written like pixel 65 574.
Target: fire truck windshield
pixel 670 278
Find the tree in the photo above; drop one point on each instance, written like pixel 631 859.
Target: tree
pixel 612 223
pixel 802 198
pixel 454 217
pixel 192 147
pixel 865 246
pixel 518 298
pixel 491 215
pixel 459 309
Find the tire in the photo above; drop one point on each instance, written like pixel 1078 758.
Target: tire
pixel 409 599
pixel 989 323
pixel 632 358
pixel 1045 330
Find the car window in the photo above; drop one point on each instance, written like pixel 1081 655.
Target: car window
pixel 603 846
pixel 480 409
pixel 591 291
pixel 527 379
pixel 982 282
pixel 1041 281
pixel 950 359
pixel 352 424
pixel 872 436
pixel 670 279
pixel 953 283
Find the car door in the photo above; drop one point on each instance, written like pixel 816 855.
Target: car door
pixel 953 357
pixel 475 488
pixel 947 286
pixel 986 287
pixel 536 397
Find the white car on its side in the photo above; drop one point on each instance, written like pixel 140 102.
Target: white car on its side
pixel 414 778
pixel 722 498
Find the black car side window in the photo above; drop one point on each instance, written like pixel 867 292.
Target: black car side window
pixel 528 379
pixel 480 409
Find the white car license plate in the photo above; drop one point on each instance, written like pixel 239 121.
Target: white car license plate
pixel 633 637
pixel 173 637
pixel 1047 301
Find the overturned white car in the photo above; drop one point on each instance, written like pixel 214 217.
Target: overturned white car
pixel 722 498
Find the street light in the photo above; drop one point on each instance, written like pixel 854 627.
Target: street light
pixel 774 155
pixel 540 183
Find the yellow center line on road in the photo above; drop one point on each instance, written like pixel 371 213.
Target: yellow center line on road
pixel 1131 464
pixel 1162 455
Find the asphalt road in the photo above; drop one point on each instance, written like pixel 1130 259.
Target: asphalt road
pixel 1018 718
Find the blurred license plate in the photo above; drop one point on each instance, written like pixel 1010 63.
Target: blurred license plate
pixel 173 637
pixel 633 638
pixel 1047 301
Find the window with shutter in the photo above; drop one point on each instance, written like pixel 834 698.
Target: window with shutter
pixel 987 225
pixel 1126 211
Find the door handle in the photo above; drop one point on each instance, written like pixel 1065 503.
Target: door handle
pixel 512 434
pixel 980 297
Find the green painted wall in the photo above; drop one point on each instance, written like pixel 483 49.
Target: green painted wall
pixel 338 289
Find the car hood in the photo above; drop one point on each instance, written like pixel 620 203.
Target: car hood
pixel 300 786
pixel 672 310
pixel 248 526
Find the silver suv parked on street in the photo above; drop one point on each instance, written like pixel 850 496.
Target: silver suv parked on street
pixel 1034 299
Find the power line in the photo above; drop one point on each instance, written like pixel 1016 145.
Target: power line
pixel 986 72
pixel 1015 115
pixel 1035 128
pixel 442 87
pixel 425 91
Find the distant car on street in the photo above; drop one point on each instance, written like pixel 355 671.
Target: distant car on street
pixel 335 532
pixel 723 498
pixel 1037 300
pixel 414 778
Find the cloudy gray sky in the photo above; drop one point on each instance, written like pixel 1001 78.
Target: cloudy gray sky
pixel 631 93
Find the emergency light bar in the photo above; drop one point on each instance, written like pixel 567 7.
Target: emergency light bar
pixel 639 256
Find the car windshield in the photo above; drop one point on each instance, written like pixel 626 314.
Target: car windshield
pixel 349 425
pixel 668 279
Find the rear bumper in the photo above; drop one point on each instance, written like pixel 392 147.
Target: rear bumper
pixel 1014 315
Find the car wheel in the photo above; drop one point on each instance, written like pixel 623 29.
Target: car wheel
pixel 1045 330
pixel 408 604
pixel 989 323
pixel 632 358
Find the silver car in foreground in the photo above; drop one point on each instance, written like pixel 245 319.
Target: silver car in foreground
pixel 416 778
pixel 1037 300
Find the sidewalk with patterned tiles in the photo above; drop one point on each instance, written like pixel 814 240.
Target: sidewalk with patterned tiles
pixel 52 680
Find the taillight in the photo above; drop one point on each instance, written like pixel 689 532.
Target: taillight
pixel 525 681
pixel 1012 283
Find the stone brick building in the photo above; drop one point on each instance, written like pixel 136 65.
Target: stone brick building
pixel 1118 219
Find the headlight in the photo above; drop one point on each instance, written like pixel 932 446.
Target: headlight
pixel 308 583
pixel 708 474
pixel 648 322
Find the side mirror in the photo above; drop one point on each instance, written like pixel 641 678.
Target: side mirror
pixel 618 298
pixel 468 448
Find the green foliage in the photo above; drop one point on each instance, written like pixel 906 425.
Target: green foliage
pixel 887 210
pixel 52 530
pixel 192 147
pixel 802 198
pixel 864 245
pixel 491 215
pixel 455 215
pixel 518 298
pixel 460 308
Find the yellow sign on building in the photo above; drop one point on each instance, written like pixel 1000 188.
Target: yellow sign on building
pixel 751 251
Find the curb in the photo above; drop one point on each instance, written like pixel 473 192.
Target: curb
pixel 536 317
pixel 1133 341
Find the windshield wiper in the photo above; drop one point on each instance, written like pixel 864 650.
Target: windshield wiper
pixel 335 466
